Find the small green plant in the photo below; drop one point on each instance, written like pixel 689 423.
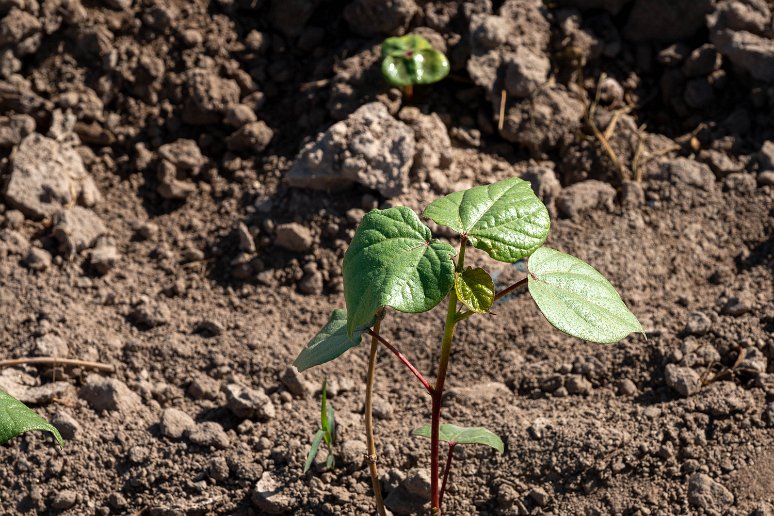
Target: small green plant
pixel 326 433
pixel 411 59
pixel 16 418
pixel 394 261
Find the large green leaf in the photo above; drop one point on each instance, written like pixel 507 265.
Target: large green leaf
pixel 461 435
pixel 577 299
pixel 505 219
pixel 16 418
pixel 475 288
pixel 394 261
pixel 331 341
pixel 411 59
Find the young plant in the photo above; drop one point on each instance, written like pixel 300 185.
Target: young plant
pixel 326 433
pixel 16 418
pixel 394 261
pixel 411 59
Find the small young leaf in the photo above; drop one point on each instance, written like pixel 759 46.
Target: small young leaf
pixel 475 288
pixel 331 341
pixel 16 418
pixel 331 426
pixel 461 435
pixel 330 462
pixel 394 261
pixel 577 299
pixel 313 450
pixel 411 59
pixel 505 219
pixel 324 408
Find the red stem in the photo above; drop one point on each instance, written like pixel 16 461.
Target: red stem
pixel 510 289
pixel 403 359
pixel 449 457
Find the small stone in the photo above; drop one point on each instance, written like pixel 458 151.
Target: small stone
pixel 708 494
pixel 218 469
pixel 64 500
pixel 253 137
pixel 526 72
pixel 738 305
pixel 698 324
pixel 312 284
pixel 246 242
pixel 684 171
pixel 584 196
pixel 149 314
pixel 209 327
pixel 539 496
pixel 382 409
pixel 14 128
pixel 175 423
pixel 209 433
pixel 239 115
pixel 148 231
pixel 37 259
pixel 577 384
pixel 353 453
pixel 683 380
pixel 248 403
pixel 723 399
pixel 117 501
pixel 417 483
pixel 104 257
pixel 67 425
pixel 50 345
pixel 754 361
pixel 138 454
pixel 203 388
pixel 109 394
pixel 268 497
pixel 76 229
pixel 295 383
pixel 294 237
pixel 627 387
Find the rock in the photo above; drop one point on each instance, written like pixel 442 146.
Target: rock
pixel 698 324
pixel 370 147
pixel 540 123
pixel 665 20
pixel 295 383
pixel 252 137
pixel 433 160
pixel 45 175
pixel 702 61
pixel 14 128
pixel 268 497
pixel 312 283
pixel 209 433
pixel 150 314
pixel 37 259
pixel 740 182
pixel 248 403
pixel 627 387
pixel 67 425
pixel 765 156
pixel 353 453
pixel 184 155
pixel 525 72
pixel 203 388
pixel 738 305
pixel 209 328
pixel 375 17
pixel 109 394
pixel 239 115
pixel 754 361
pixel 684 171
pixel 382 409
pixel 683 380
pixel 175 423
pixel 209 96
pixel 104 257
pixel 77 229
pixel 50 345
pixel 720 162
pixel 411 495
pixel 539 496
pixel 171 186
pixel 585 196
pixel 723 399
pixel 577 384
pixel 739 30
pixel 28 392
pixel 22 30
pixel 544 183
pixel 294 237
pixel 709 495
pixel 63 500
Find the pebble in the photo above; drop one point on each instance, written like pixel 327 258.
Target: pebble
pixel 63 500
pixel 295 383
pixel 627 387
pixel 108 394
pixel 737 305
pixel 754 361
pixel 539 496
pixel 708 494
pixel 577 384
pixel 353 453
pixel 294 237
pixel 67 425
pixel 268 497
pixel 382 409
pixel 246 242
pixel 698 324
pixel 218 469
pixel 248 403
pixel 104 257
pixel 76 229
pixel 209 433
pixel 175 423
pixel 683 380
pixel 37 259
pixel 50 345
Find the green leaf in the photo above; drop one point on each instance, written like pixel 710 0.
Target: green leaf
pixel 475 288
pixel 505 219
pixel 16 418
pixel 330 433
pixel 313 450
pixel 578 300
pixel 461 435
pixel 411 59
pixel 324 407
pixel 330 462
pixel 331 341
pixel 394 261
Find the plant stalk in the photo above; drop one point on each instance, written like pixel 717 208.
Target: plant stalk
pixel 369 421
pixel 449 458
pixel 443 364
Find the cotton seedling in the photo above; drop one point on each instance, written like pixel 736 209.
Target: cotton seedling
pixel 411 59
pixel 326 433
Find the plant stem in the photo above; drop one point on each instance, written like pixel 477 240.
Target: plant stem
pixel 55 361
pixel 403 359
pixel 464 315
pixel 369 421
pixel 443 364
pixel 449 458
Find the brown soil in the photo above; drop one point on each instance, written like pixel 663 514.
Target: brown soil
pixel 588 429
